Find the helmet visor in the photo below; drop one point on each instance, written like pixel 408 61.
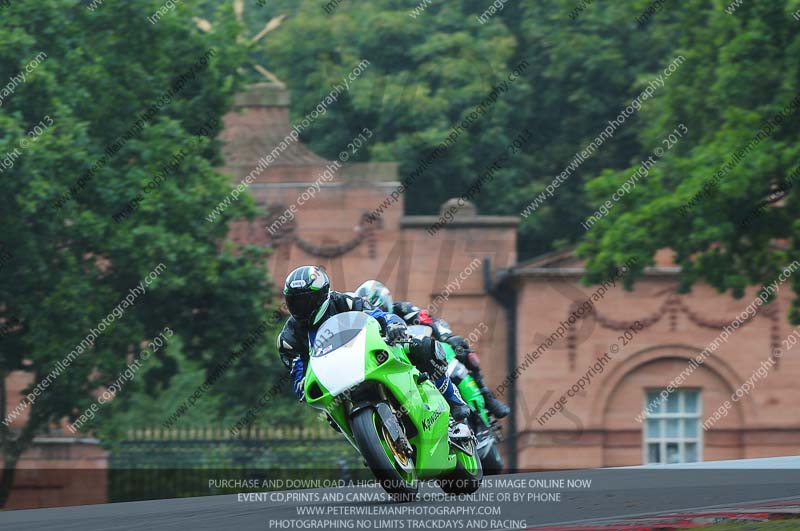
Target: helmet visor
pixel 303 306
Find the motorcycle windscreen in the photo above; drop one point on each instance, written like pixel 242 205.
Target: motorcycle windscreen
pixel 338 358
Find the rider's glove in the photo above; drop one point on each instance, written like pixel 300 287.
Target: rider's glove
pixel 298 375
pixel 396 332
pixel 299 389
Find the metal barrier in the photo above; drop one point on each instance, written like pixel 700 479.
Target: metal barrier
pixel 158 463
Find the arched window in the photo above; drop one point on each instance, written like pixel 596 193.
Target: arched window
pixel 672 432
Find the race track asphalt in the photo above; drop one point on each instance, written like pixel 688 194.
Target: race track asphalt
pixel 571 499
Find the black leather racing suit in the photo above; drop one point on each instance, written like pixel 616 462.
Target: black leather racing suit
pixel 414 315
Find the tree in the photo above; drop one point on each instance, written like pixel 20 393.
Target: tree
pixel 725 197
pixel 587 68
pixel 428 72
pixel 110 183
pixel 425 75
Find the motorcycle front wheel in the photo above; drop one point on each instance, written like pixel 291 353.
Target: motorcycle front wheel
pixel 395 470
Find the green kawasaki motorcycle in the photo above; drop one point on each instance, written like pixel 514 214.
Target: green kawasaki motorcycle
pixel 485 427
pixel 389 411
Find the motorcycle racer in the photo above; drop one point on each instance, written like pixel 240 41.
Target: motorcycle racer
pixel 310 300
pixel 378 295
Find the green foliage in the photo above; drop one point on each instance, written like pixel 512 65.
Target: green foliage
pixel 72 264
pixel 427 72
pixel 424 76
pixel 740 71
pixel 222 406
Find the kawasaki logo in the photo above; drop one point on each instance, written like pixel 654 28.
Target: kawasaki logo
pixel 428 422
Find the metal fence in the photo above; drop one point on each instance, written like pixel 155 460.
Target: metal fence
pixel 158 463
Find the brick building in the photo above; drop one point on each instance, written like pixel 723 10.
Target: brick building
pixel 601 424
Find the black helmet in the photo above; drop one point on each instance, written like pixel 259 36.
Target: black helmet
pixel 376 294
pixel 307 292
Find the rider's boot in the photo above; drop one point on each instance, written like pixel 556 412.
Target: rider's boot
pixel 429 357
pixel 495 407
pixel 458 429
pixel 459 410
